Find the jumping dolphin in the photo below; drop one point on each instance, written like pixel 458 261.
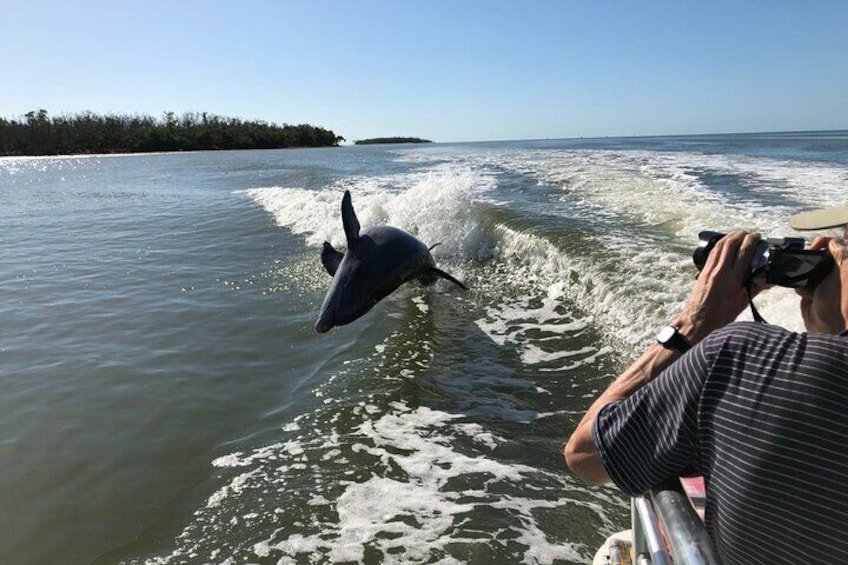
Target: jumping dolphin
pixel 378 260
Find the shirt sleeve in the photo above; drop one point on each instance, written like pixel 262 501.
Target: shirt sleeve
pixel 653 435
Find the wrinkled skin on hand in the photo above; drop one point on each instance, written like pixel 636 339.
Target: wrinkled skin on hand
pixel 719 294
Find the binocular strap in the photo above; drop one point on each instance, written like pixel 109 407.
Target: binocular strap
pixel 754 311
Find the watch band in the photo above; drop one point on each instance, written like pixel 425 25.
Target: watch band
pixel 670 338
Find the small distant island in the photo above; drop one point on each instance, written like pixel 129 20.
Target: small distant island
pixel 377 140
pixel 87 133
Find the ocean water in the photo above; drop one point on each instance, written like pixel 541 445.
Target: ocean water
pixel 164 398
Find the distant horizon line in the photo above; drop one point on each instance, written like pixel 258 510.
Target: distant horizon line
pixel 652 135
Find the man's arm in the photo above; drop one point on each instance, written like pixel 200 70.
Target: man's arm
pixel 580 453
pixel 717 298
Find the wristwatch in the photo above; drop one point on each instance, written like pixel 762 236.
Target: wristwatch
pixel 670 338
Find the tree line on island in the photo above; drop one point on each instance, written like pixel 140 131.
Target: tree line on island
pixel 39 134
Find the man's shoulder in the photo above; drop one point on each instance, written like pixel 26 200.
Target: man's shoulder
pixel 748 333
pixel 764 348
pixel 762 333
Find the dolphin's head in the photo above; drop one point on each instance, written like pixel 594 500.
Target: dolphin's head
pixel 350 296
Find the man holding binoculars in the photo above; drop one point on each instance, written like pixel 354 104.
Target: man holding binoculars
pixel 758 410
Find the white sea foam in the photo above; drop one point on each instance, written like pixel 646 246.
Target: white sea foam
pixel 618 292
pixel 422 480
pixel 658 187
pixel 412 519
pixel 409 517
pixel 663 189
pixel 636 284
pixel 436 206
pixel 633 284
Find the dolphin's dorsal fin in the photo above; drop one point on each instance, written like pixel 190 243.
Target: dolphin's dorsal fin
pixel 331 258
pixel 349 221
pixel 444 275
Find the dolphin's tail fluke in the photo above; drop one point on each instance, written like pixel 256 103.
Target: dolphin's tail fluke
pixel 444 275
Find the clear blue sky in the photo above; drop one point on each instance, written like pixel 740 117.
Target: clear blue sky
pixel 448 70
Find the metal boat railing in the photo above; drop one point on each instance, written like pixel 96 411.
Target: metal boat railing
pixel 665 516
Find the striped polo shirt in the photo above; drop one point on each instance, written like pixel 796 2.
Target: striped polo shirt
pixel 762 413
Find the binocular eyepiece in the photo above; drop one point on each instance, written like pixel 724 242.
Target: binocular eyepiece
pixel 777 261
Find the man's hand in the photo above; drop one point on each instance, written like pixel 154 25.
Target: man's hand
pixel 819 305
pixel 719 294
pixel 839 250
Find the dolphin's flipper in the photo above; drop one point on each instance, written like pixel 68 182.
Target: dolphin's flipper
pixel 349 220
pixel 331 258
pixel 444 275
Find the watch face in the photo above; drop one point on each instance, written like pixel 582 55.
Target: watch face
pixel 665 334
